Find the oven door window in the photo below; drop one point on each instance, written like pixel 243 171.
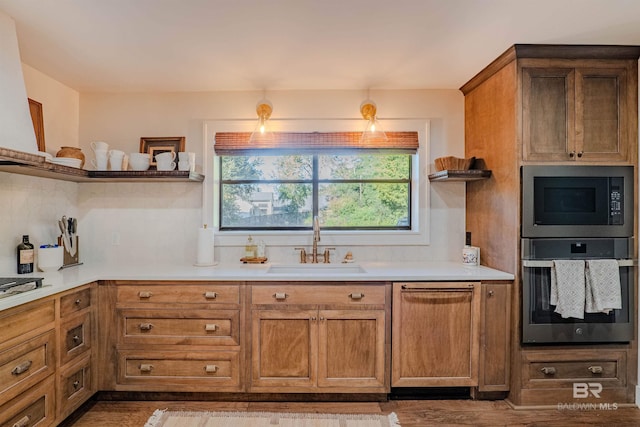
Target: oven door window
pixel 571 201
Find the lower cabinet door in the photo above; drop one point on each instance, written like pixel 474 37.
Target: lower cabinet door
pixel 35 407
pixel 436 334
pixel 284 350
pixel 179 370
pixel 75 386
pixel 352 349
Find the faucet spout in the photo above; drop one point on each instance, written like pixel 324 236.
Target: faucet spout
pixel 316 239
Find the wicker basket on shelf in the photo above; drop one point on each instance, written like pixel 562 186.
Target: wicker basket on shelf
pixel 453 163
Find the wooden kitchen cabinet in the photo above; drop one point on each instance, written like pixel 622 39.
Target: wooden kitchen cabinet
pixel 495 337
pixel 577 110
pixel 76 338
pixel 436 334
pixel 319 338
pixel 172 336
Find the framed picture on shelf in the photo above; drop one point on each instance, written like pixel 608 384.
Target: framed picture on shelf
pixel 160 144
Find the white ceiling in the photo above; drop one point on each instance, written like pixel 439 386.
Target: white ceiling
pixel 211 45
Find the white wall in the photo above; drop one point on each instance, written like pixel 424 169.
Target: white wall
pixel 158 222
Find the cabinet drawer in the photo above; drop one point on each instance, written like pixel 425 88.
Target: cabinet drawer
pixel 168 369
pixel 351 294
pixel 75 338
pixel 178 293
pixel 207 327
pixel 562 370
pixel 26 364
pixel 75 386
pixel 75 302
pixel 35 407
pixel 19 322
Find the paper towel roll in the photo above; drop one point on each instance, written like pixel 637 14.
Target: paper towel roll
pixel 205 246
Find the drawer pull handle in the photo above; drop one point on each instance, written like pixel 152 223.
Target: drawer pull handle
pixel 78 301
pixel 145 367
pixel 211 369
pixel 595 369
pixel 210 295
pixel 22 368
pixel 76 384
pixel 280 296
pixel 548 370
pixel 22 422
pixel 145 326
pixel 145 294
pixel 356 295
pixel 210 327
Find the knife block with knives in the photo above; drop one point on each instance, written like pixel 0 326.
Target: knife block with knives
pixel 68 259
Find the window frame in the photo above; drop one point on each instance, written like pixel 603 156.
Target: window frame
pixel 418 235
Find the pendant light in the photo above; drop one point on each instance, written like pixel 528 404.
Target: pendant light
pixel 262 132
pixel 373 131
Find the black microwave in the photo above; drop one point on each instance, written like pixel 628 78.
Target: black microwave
pixel 577 201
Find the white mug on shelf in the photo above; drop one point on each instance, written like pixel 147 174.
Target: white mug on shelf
pixel 116 158
pixel 139 161
pixel 167 156
pixel 183 166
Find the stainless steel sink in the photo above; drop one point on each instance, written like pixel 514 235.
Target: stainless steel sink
pixel 319 269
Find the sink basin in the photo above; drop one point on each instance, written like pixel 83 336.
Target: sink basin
pixel 313 269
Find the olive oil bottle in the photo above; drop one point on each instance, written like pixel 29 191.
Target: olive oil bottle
pixel 25 255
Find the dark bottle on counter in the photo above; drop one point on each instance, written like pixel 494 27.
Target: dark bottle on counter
pixel 25 256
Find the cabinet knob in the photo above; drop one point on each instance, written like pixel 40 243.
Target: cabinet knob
pixel 280 296
pixel 210 327
pixel 145 294
pixel 211 369
pixel 76 384
pixel 22 422
pixel 145 367
pixel 572 154
pixel 491 293
pixel 356 295
pixel 76 338
pixel 78 301
pixel 22 368
pixel 210 295
pixel 548 370
pixel 145 326
pixel 313 318
pixel 580 153
pixel 595 369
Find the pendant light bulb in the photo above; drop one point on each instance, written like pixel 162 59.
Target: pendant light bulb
pixel 261 132
pixel 373 131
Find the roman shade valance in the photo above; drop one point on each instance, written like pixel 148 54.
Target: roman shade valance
pixel 237 143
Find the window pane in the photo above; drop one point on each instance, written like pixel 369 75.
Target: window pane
pixel 266 205
pixel 355 205
pixel 365 166
pixel 266 167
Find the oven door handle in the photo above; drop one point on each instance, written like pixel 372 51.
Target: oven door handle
pixel 548 263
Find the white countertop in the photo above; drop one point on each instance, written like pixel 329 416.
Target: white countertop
pixel 72 277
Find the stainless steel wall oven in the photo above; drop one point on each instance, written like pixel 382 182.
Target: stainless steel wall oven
pixel 576 213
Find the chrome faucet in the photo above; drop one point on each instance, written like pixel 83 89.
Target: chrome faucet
pixel 316 239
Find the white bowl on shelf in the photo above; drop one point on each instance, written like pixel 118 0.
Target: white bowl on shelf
pixel 66 161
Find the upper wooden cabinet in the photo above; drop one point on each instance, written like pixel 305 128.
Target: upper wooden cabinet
pixel 554 103
pixel 576 110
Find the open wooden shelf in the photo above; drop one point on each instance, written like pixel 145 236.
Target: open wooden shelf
pixel 31 164
pixel 460 175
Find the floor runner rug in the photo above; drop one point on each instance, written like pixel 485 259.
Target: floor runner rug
pixel 164 418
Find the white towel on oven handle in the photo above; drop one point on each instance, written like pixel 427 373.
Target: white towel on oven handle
pixel 568 288
pixel 603 292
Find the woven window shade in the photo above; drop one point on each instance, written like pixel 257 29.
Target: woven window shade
pixel 237 143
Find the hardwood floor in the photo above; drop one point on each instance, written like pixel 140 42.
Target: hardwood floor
pixel 412 413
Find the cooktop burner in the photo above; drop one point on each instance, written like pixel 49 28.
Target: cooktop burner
pixel 15 285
